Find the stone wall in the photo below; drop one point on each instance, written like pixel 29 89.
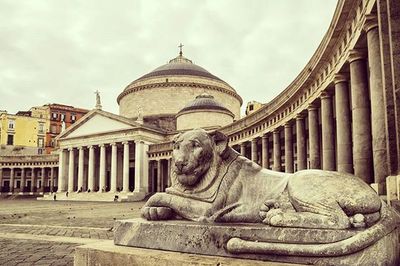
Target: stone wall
pixel 203 119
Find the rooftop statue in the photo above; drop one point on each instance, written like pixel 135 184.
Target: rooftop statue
pixel 213 184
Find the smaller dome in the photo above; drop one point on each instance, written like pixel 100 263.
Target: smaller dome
pixel 202 102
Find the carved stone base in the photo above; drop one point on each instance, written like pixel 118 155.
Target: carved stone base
pixel 106 253
pixel 212 239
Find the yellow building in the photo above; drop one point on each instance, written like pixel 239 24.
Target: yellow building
pixel 22 130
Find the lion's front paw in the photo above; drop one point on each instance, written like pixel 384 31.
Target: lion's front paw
pixel 272 215
pixel 156 213
pixel 266 207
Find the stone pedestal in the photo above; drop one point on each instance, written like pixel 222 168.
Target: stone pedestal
pixel 221 240
pixel 106 253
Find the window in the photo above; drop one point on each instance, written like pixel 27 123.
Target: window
pixel 73 117
pixel 53 129
pixel 11 124
pixel 251 107
pixel 54 116
pixel 40 142
pixel 41 128
pixel 10 139
pixel 63 117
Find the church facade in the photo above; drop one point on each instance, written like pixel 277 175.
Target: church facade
pixel 341 113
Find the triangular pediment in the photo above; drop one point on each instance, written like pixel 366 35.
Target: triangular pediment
pixel 97 122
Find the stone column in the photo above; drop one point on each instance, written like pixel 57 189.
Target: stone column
pixel 61 171
pixel 264 151
pixel 81 165
pixel 313 137
pixel 51 179
pixel 288 148
pixel 125 178
pixel 243 149
pixel 71 170
pixel 91 170
pixel 328 141
pixel 22 180
pixel 169 172
pixel 43 180
pixel 378 125
pixel 159 176
pixel 254 150
pixel 362 148
pixel 141 167
pixel 343 121
pixel 33 180
pixel 113 185
pixel 277 150
pixel 1 180
pixel 11 179
pixel 301 142
pixel 102 174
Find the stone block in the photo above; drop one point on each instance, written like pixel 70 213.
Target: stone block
pixel 106 253
pixel 392 188
pixel 212 239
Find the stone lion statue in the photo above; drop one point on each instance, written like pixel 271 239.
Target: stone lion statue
pixel 213 183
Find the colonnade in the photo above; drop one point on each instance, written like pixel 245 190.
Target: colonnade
pixel 28 179
pixel 107 167
pixel 341 130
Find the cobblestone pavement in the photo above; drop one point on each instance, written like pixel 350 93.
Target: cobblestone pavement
pixel 46 233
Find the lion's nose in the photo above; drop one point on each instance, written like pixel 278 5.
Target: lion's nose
pixel 180 164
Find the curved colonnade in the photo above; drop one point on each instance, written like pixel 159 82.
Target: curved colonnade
pixel 341 112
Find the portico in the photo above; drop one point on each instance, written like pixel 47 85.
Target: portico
pixel 105 155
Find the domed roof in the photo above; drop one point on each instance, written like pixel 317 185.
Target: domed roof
pixel 202 102
pixel 180 65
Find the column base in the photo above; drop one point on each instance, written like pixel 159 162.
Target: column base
pixel 392 188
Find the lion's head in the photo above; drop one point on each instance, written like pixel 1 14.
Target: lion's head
pixel 194 153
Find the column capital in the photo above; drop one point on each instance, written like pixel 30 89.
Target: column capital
pixel 371 22
pixel 81 148
pixel 70 148
pixel 276 130
pixel 254 140
pixel 113 144
pixel 300 116
pixel 243 143
pixel 288 124
pixel 339 77
pixel 102 145
pixel 326 95
pixel 265 136
pixel 356 54
pixel 312 107
pixel 125 142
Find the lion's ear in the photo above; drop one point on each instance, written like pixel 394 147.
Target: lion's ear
pixel 220 141
pixel 176 137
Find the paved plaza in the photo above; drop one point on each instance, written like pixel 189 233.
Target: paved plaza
pixel 46 233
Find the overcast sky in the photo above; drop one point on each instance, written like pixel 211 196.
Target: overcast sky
pixel 62 51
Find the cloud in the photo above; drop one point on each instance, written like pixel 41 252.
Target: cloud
pixel 62 51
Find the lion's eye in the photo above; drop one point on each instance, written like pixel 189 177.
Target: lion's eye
pixel 195 144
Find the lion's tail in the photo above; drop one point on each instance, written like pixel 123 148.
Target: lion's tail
pixel 347 246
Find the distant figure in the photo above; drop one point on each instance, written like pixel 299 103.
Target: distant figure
pixel 55 197
pixel 88 190
pixel 66 194
pixel 116 198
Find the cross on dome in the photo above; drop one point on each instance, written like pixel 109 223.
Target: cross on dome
pixel 180 49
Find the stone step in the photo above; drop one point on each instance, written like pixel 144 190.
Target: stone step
pixel 95 196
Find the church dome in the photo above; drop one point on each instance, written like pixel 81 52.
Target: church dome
pixel 202 102
pixel 180 65
pixel 203 112
pixel 166 90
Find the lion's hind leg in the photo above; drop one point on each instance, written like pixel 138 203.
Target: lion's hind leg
pixel 326 215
